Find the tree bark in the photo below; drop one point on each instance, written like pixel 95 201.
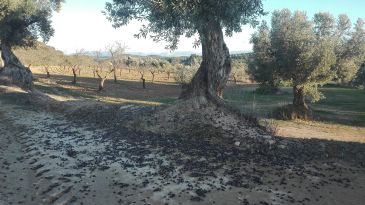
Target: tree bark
pixel 14 71
pixel 115 76
pixel 212 76
pixel 101 84
pixel 299 97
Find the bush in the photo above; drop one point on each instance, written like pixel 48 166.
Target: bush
pixel 270 126
pixel 184 74
pixel 291 112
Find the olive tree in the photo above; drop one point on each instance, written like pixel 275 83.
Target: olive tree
pixel 262 63
pixel 166 67
pixel 99 69
pixel 153 67
pixel 304 53
pixel 239 69
pixel 139 65
pixel 170 19
pixel 75 63
pixel 22 23
pixel 350 48
pixel 116 51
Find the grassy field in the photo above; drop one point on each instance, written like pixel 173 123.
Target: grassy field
pixel 341 105
pixel 341 116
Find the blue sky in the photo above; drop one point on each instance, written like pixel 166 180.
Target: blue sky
pixel 80 24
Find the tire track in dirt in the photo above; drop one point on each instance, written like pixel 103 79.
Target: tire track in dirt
pixel 49 177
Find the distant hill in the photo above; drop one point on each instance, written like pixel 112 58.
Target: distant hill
pixel 163 54
pixel 38 55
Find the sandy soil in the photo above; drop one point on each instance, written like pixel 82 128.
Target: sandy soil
pixel 88 157
pixel 308 130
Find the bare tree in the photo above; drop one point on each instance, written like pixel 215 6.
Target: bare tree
pixel 142 64
pixel 102 78
pixel 74 62
pixel 116 51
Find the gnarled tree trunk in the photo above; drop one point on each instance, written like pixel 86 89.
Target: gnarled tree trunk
pixel 212 76
pixel 299 97
pixel 14 71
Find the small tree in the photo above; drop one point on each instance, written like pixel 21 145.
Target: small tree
pixel 46 63
pixel 239 67
pixel 167 68
pixel 116 52
pixel 99 64
pixel 102 78
pixel 153 68
pixel 74 63
pixel 170 19
pixel 22 23
pixel 141 67
pixel 302 55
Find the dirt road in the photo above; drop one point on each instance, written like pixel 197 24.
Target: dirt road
pixel 47 159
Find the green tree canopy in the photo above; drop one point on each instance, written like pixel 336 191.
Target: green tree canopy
pixel 262 63
pixel 168 20
pixel 298 50
pixel 350 49
pixel 22 23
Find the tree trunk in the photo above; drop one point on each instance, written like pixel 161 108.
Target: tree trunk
pixel 212 76
pixel 101 84
pixel 75 76
pixel 14 71
pixel 143 82
pixel 115 76
pixel 47 72
pixel 153 77
pixel 299 98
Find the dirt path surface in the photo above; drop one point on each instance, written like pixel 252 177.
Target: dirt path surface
pixel 45 158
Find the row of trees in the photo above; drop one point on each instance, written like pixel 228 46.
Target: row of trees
pixel 22 22
pixel 113 59
pixel 307 53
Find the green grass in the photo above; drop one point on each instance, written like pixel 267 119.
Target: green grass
pixel 341 105
pixel 163 100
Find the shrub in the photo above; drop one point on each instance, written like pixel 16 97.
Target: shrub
pixel 291 112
